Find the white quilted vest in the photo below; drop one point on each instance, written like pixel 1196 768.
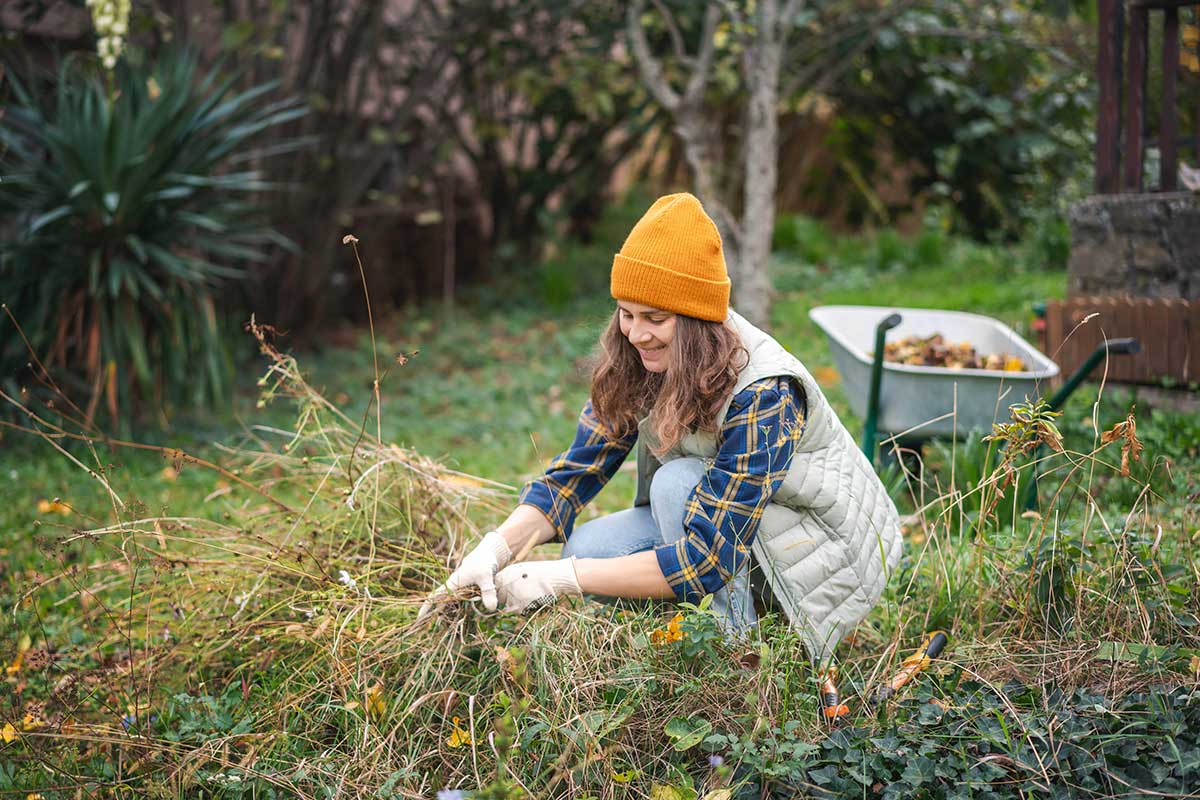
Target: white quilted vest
pixel 830 537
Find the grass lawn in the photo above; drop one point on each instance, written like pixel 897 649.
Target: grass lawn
pixel 186 634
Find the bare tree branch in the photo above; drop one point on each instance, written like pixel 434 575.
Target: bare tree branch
pixel 673 31
pixel 699 77
pixel 648 66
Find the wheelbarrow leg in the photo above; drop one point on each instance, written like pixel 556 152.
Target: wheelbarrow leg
pixel 869 432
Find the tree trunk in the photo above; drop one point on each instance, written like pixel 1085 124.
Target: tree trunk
pixel 697 133
pixel 752 282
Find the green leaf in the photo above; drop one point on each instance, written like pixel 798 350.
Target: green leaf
pixel 687 732
pixel 666 791
pixel 43 220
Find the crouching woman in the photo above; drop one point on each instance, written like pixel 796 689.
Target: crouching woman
pixel 747 482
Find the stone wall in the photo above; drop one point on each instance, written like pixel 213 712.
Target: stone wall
pixel 1146 245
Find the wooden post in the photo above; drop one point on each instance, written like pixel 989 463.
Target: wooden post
pixel 1168 136
pixel 1108 120
pixel 1136 99
pixel 449 229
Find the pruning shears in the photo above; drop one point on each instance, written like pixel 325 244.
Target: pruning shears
pixel 930 649
pixel 833 709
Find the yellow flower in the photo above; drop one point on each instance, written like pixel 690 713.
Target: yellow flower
pixel 375 702
pixel 32 721
pixel 45 506
pixel 9 733
pixel 1014 364
pixel 22 645
pixel 672 633
pixel 458 737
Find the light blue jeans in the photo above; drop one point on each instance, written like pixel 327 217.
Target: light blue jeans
pixel 645 528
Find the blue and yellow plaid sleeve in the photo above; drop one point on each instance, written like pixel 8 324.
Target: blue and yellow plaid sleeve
pixel 755 446
pixel 575 476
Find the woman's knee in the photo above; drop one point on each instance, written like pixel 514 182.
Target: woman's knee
pixel 669 491
pixel 674 481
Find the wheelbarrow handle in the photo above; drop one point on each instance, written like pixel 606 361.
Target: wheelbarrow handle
pixel 1117 347
pixel 868 440
pixel 1123 347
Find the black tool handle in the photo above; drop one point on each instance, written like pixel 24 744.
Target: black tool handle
pixel 1123 347
pixel 937 643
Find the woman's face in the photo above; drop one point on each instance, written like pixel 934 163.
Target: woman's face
pixel 649 330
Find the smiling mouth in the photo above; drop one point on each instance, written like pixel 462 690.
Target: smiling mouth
pixel 646 350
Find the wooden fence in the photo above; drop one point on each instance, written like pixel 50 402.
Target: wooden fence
pixel 1122 65
pixel 1168 330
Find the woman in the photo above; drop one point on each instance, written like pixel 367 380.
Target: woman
pixel 742 464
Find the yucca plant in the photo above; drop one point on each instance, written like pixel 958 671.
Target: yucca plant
pixel 132 200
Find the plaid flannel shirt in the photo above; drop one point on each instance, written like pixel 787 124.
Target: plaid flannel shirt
pixel 755 445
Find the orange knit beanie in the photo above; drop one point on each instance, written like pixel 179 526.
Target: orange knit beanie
pixel 672 260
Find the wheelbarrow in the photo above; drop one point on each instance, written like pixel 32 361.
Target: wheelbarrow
pixel 916 403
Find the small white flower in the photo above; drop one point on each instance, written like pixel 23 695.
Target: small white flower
pixel 344 578
pixel 111 20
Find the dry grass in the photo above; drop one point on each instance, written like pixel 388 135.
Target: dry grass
pixel 276 648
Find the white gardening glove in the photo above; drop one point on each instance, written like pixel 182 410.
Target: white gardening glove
pixel 529 585
pixel 478 568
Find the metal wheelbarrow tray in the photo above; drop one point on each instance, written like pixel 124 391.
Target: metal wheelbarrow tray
pixel 920 402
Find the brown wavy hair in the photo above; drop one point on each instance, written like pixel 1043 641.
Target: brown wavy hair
pixel 703 362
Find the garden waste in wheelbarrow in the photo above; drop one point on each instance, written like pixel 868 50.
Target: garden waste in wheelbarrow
pixel 917 402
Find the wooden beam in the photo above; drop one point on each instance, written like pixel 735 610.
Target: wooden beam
pixel 1108 120
pixel 1135 102
pixel 1176 4
pixel 1168 126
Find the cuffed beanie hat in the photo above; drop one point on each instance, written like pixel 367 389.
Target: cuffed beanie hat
pixel 672 260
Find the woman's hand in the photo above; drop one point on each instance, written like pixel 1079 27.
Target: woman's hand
pixel 529 585
pixel 478 568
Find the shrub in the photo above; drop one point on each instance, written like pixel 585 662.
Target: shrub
pixel 130 208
